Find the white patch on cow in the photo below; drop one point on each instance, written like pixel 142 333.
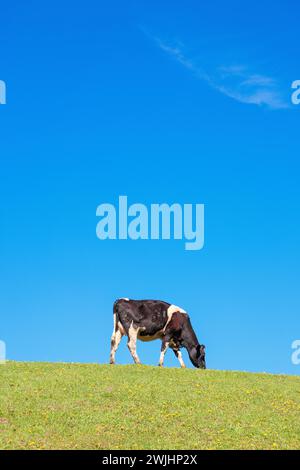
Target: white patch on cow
pixel 115 339
pixel 171 310
pixel 174 308
pixel 125 298
pixel 158 335
pixel 121 328
pixel 132 337
pixel 179 357
pixel 162 354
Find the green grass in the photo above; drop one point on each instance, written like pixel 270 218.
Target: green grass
pixel 88 406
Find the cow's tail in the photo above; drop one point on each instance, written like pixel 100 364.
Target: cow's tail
pixel 116 315
pixel 115 323
pixel 120 306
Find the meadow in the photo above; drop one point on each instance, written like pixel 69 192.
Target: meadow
pixel 90 406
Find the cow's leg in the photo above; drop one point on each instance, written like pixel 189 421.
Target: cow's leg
pixel 178 354
pixel 163 350
pixel 132 337
pixel 115 341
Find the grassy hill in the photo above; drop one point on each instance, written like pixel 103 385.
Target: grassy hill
pixel 88 406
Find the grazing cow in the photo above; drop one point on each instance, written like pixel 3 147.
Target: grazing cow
pixel 147 320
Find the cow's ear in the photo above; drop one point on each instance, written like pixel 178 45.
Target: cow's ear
pixel 200 349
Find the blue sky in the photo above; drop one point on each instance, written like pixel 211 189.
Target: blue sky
pixel 184 102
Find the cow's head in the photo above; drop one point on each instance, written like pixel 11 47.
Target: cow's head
pixel 197 356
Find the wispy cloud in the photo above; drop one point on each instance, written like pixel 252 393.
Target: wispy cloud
pixel 235 81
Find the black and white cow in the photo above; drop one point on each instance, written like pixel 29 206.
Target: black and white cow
pixel 147 320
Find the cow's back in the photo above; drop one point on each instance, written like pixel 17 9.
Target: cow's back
pixel 149 316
